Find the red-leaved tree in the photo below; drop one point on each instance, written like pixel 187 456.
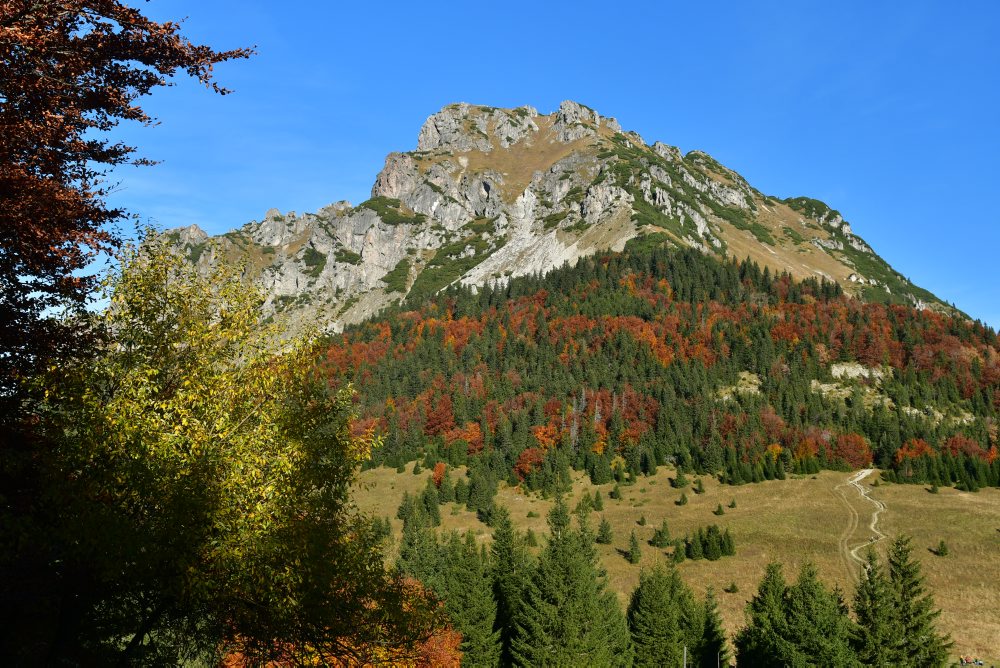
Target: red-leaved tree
pixel 70 71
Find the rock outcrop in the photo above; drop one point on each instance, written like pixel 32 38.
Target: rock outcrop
pixel 492 193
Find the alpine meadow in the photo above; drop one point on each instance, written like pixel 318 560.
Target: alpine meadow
pixel 552 394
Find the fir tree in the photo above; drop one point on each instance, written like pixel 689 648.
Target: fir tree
pixel 431 504
pixel 598 501
pixel 762 642
pixel 469 600
pixel 568 616
pixel 653 620
pixel 604 534
pixel 694 547
pixel 510 569
pixel 661 537
pixel 713 649
pixel 634 553
pixel 877 630
pixel 918 641
pixel 818 625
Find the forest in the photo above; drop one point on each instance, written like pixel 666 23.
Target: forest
pixel 512 608
pixel 630 361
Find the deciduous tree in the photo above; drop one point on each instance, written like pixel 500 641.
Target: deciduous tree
pixel 70 71
pixel 202 484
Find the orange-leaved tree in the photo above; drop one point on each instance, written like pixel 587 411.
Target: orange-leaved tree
pixel 70 71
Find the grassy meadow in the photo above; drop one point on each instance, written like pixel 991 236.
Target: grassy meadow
pixel 815 518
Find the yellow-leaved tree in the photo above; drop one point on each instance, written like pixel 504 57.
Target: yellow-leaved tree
pixel 203 482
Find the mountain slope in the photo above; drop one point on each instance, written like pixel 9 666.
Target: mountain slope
pixel 492 193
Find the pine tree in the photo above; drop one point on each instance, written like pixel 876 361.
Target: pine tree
pixel 568 616
pixel 713 649
pixel 510 569
pixel 604 534
pixel 653 620
pixel 683 500
pixel 598 501
pixel 818 625
pixel 918 641
pixel 762 642
pixel 468 599
pixel 874 608
pixel 634 553
pixel 680 480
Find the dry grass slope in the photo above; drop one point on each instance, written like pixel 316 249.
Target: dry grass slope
pixel 791 521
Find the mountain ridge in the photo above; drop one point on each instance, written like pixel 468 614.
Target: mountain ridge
pixel 491 193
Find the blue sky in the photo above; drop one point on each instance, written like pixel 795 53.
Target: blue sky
pixel 889 112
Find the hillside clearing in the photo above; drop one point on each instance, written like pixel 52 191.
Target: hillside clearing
pixel 791 521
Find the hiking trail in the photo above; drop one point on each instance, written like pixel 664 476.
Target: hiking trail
pixel 848 553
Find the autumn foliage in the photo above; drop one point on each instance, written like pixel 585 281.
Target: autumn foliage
pixel 637 359
pixel 70 71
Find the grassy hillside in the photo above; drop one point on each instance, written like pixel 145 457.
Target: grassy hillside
pixel 806 517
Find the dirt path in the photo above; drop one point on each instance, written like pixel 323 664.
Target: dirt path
pixel 848 553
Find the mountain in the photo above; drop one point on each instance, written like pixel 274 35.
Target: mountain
pixel 493 193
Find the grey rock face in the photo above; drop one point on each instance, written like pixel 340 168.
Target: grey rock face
pixel 462 198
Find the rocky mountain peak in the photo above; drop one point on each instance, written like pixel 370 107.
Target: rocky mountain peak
pixel 492 193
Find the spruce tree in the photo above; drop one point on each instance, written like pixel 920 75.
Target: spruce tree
pixel 431 504
pixel 598 501
pixel 468 599
pixel 694 547
pixel 653 620
pixel 873 605
pixel 762 642
pixel 918 641
pixel 510 570
pixel 713 650
pixel 634 553
pixel 713 543
pixel 818 625
pixel 604 534
pixel 661 537
pixel 568 616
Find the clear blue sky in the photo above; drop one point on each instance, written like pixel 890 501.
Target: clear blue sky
pixel 886 111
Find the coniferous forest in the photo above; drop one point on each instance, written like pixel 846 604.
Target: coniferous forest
pixel 511 608
pixel 630 361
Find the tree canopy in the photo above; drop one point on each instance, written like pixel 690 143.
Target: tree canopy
pixel 198 486
pixel 70 71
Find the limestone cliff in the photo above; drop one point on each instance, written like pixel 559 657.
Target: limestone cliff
pixel 492 193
